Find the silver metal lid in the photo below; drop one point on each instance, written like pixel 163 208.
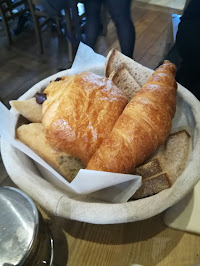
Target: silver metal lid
pixel 18 225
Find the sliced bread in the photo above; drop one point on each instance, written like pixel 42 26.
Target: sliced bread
pixel 152 185
pixel 115 59
pixel 124 81
pixel 174 154
pixel 167 164
pixel 149 169
pixel 34 137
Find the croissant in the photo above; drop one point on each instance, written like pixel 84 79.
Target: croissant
pixel 79 112
pixel 142 127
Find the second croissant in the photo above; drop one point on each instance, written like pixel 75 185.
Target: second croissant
pixel 142 127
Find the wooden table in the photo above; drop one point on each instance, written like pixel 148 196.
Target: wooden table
pixel 147 242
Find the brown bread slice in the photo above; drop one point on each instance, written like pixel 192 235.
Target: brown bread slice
pixel 149 169
pixel 124 81
pixel 115 59
pixel 165 166
pixel 173 155
pixel 152 185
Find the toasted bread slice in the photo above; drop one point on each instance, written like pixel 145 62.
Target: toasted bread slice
pixel 173 155
pixel 115 59
pixel 149 169
pixel 30 109
pixel 163 169
pixel 33 136
pixel 124 81
pixel 152 185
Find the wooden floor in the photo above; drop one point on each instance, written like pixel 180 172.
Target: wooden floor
pixel 21 65
pixel 178 4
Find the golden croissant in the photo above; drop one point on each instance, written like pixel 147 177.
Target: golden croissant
pixel 143 126
pixel 79 113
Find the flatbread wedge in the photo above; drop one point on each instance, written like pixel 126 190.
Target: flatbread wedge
pixel 34 137
pixel 29 109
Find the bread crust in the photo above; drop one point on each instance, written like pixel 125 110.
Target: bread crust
pixel 115 59
pixel 109 62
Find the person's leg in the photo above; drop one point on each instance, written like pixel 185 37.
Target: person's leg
pixel 121 16
pixel 92 9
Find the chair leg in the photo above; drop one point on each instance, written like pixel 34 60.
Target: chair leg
pixel 36 26
pixel 76 20
pixel 57 21
pixel 69 31
pixel 6 26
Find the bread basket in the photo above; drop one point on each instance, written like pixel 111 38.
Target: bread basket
pixel 25 174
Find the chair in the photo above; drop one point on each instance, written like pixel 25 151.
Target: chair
pixel 72 28
pixel 71 24
pixel 76 21
pixel 37 15
pixel 7 12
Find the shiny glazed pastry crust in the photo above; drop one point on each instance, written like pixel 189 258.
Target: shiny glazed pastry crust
pixel 79 113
